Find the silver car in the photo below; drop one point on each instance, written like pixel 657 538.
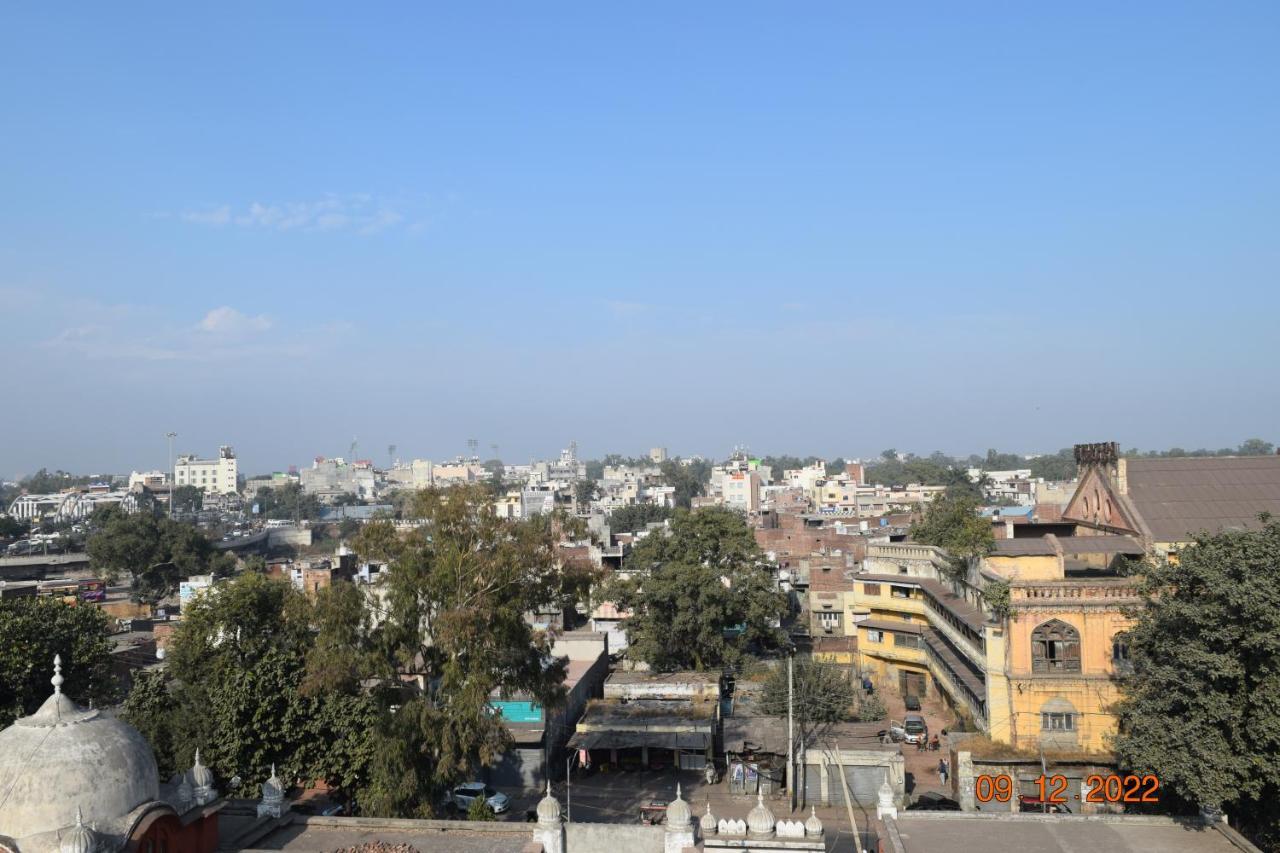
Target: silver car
pixel 464 795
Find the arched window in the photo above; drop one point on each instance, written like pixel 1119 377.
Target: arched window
pixel 1055 647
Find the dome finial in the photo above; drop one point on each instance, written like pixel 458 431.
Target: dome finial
pixel 79 816
pixel 57 679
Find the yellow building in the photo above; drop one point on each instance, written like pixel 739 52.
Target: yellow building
pixel 1052 664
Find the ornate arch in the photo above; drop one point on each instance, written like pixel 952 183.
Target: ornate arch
pixel 1055 647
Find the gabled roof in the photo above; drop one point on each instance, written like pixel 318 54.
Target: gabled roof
pixel 1180 497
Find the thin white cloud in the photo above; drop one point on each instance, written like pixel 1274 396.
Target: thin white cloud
pixel 627 309
pixel 358 212
pixel 228 321
pixel 213 216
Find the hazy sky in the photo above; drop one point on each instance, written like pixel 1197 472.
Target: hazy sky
pixel 808 228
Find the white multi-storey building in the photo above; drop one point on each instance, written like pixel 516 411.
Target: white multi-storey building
pixel 210 475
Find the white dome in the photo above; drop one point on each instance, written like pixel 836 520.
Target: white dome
pixel 760 819
pixel 273 788
pixel 549 808
pixel 201 776
pixel 708 822
pixel 81 839
pixel 813 826
pixel 64 754
pixel 678 814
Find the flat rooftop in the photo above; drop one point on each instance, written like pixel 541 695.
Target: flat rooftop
pixel 981 833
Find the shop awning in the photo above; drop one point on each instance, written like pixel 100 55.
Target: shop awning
pixel 690 741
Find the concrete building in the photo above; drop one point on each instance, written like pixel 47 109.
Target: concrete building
pixel 328 479
pixel 210 475
pixel 539 737
pixel 657 455
pixel 741 490
pixel 418 474
pixel 148 479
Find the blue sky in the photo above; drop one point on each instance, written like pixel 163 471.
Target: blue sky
pixel 808 228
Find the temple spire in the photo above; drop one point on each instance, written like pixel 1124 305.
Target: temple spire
pixel 57 679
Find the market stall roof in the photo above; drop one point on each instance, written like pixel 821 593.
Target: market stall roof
pixel 625 740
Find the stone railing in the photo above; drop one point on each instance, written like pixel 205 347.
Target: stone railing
pixel 907 551
pixel 1074 592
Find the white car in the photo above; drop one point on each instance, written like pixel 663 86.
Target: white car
pixel 464 795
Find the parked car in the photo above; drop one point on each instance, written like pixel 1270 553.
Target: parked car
pixel 912 702
pixel 915 728
pixel 462 796
pixel 1029 803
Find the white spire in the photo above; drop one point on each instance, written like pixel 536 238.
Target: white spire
pixel 57 679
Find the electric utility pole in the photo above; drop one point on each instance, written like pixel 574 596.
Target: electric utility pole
pixel 791 731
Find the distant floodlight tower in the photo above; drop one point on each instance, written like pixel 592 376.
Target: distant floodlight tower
pixel 172 473
pixel 472 446
pixel 391 456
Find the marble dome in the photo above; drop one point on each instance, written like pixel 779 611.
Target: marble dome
pixel 64 756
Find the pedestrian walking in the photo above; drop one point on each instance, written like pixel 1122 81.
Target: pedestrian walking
pixel 933 744
pixel 942 770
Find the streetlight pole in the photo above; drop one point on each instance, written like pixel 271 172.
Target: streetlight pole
pixel 172 473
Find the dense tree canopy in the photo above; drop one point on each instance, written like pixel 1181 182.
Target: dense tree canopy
pixel 1201 709
pixel 823 694
pixel 287 502
pixel 235 687
pixel 951 521
pixel 701 596
pixel 457 593
pixel 628 519
pixel 32 631
pixel 188 499
pixel 155 553
pixel 690 481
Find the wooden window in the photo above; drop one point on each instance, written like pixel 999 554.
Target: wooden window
pixel 1055 647
pixel 871 589
pixel 1055 721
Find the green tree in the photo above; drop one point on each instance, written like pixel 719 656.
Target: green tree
pixel 155 553
pixel 480 810
pixel 1256 447
pixel 951 522
pixel 628 519
pixel 584 491
pixel 823 695
pixel 32 631
pixel 996 595
pixel 700 596
pixel 188 499
pixel 12 528
pixel 457 592
pixel 287 502
pixel 690 481
pixel 1201 709
pixel 234 687
pixel 1055 466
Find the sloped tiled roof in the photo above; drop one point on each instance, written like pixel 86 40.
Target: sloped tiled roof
pixel 1180 497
